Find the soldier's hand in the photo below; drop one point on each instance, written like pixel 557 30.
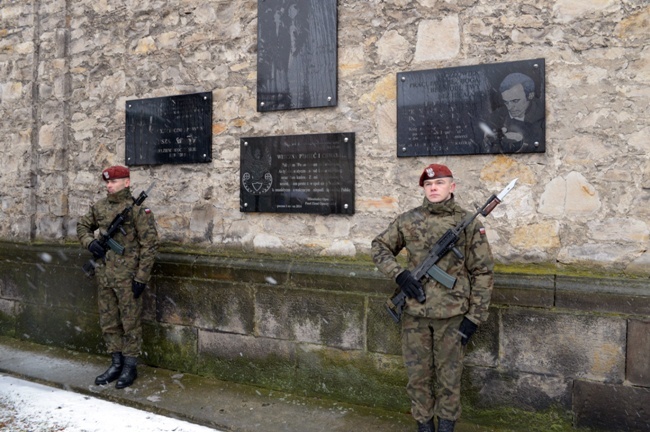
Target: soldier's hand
pixel 410 286
pixel 137 288
pixel 467 329
pixel 96 249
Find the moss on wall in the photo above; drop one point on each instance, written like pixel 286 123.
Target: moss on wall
pixel 169 346
pixel 7 324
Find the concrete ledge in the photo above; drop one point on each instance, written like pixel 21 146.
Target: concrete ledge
pixel 524 290
pixel 624 296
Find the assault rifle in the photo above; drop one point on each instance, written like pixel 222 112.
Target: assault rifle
pixel 106 240
pixel 446 243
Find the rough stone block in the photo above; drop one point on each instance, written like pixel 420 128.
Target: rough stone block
pixel 20 282
pixel 352 376
pixel 580 346
pixel 8 307
pixel 211 305
pixel 336 320
pixel 45 274
pixel 611 407
pixel 384 335
pixel 7 318
pixel 68 288
pixel 483 347
pixel 488 388
pixel 149 301
pixel 170 346
pixel 638 347
pixel 247 359
pixel 6 290
pixel 66 328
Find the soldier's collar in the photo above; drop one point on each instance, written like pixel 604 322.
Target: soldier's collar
pixel 120 196
pixel 445 207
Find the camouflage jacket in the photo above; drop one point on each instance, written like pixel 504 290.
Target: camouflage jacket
pixel 418 230
pixel 141 239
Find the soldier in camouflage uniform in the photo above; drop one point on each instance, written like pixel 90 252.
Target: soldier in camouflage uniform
pixel 434 333
pixel 121 278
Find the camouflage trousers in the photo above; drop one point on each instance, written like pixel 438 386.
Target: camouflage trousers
pixel 433 356
pixel 120 314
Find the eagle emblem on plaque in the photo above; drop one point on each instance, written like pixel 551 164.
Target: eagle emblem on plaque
pixel 256 173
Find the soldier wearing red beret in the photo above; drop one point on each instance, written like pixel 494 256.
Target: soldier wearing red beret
pixel 435 332
pixel 121 278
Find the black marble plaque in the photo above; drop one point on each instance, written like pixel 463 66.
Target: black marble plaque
pixel 298 174
pixel 169 130
pixel 296 54
pixel 484 109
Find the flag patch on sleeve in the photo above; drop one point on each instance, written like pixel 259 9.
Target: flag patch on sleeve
pixel 482 231
pixel 147 210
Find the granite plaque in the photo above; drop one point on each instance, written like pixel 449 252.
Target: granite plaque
pixel 484 109
pixel 169 130
pixel 296 54
pixel 298 174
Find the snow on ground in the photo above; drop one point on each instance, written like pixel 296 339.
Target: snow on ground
pixel 30 407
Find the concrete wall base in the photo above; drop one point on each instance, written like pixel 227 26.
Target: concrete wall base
pixel 317 328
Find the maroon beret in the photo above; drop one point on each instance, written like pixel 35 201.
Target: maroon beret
pixel 434 171
pixel 115 172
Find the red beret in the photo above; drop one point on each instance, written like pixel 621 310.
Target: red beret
pixel 434 171
pixel 115 172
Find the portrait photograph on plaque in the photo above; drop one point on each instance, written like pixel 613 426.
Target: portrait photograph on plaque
pixel 484 109
pixel 169 130
pixel 296 54
pixel 298 174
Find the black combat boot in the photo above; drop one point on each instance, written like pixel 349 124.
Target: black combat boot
pixel 129 373
pixel 113 372
pixel 446 425
pixel 426 427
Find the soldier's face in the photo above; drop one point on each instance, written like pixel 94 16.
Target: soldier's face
pixel 439 190
pixel 116 185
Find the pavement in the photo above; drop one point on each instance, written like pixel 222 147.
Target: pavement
pixel 26 406
pixel 209 402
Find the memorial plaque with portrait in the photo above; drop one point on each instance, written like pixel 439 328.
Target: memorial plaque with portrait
pixel 296 54
pixel 169 130
pixel 298 174
pixel 485 109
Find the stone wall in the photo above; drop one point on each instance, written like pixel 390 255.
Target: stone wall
pixel 577 342
pixel 553 341
pixel 67 68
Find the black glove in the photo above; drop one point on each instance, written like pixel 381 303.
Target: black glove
pixel 96 249
pixel 137 288
pixel 410 286
pixel 467 329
